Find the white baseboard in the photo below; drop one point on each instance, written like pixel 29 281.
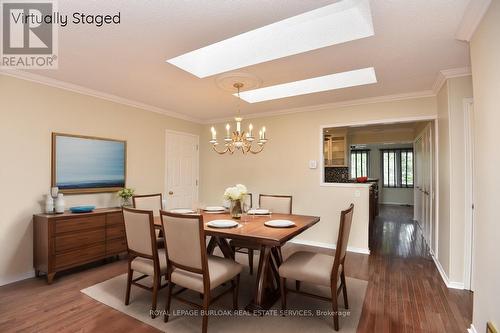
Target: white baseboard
pixel 472 329
pixel 14 278
pixel 447 282
pixel 329 246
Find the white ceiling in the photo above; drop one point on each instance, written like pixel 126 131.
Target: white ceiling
pixel 414 40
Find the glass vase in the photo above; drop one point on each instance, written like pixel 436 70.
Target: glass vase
pixel 235 209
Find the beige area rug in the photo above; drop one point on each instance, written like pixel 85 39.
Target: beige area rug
pixel 314 318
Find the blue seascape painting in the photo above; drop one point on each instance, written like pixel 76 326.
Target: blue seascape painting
pixel 83 163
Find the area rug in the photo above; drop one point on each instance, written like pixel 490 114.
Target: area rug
pixel 306 314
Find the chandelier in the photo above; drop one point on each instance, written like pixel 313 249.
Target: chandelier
pixel 238 139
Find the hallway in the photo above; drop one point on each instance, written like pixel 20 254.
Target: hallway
pixel 405 291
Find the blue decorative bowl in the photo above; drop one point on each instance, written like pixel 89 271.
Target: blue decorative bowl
pixel 81 209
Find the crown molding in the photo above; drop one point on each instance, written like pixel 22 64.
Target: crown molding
pixel 330 106
pixel 94 93
pixel 473 15
pixel 449 74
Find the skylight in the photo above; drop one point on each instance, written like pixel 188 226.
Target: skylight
pixel 353 78
pixel 337 23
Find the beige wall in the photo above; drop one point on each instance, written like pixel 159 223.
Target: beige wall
pixel 444 179
pixel 29 112
pixel 282 168
pixel 485 55
pixel 452 176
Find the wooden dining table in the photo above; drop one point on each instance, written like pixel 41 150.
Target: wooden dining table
pixel 267 286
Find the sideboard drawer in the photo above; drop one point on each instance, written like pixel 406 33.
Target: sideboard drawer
pixel 77 240
pixel 114 219
pixel 80 256
pixel 116 246
pixel 115 231
pixel 80 223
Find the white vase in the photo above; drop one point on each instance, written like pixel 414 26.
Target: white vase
pixel 60 203
pixel 49 204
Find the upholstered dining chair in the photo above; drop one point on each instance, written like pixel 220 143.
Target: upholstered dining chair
pixel 152 202
pixel 191 268
pixel 320 269
pixel 279 204
pixel 143 254
pixel 148 202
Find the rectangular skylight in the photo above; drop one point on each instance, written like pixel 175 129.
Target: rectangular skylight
pixel 337 23
pixel 353 78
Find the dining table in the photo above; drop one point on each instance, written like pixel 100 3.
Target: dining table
pixel 252 228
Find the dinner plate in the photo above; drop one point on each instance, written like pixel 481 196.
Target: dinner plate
pixel 214 208
pixel 182 211
pixel 258 211
pixel 279 223
pixel 222 224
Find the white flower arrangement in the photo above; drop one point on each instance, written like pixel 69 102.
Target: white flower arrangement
pixel 235 193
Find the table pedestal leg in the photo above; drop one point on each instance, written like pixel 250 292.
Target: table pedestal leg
pixel 266 292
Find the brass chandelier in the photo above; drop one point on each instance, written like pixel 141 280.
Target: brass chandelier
pixel 238 139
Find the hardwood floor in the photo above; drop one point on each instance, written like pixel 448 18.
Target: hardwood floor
pixel 405 291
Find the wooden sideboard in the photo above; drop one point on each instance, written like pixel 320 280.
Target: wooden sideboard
pixel 67 240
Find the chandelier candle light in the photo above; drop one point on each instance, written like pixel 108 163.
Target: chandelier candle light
pixel 239 140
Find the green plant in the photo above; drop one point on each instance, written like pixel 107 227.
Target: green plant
pixel 126 193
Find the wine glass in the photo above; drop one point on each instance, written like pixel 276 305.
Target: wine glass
pixel 245 207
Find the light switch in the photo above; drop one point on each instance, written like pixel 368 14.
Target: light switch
pixel 313 164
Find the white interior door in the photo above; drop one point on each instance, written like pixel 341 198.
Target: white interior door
pixel 181 185
pixel 424 188
pixel 469 192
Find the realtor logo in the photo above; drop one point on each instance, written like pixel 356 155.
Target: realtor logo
pixel 28 40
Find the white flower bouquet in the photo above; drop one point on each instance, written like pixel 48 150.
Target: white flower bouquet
pixel 236 192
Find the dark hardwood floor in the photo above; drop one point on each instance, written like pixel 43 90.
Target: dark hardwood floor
pixel 405 291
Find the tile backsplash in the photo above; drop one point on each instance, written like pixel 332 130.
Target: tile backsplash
pixel 337 175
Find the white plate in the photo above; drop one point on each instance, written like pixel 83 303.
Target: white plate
pixel 259 211
pixel 182 211
pixel 214 209
pixel 222 224
pixel 279 223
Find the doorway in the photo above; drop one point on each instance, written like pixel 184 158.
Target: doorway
pixel 181 169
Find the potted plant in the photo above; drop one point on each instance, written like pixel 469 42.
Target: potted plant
pixel 125 194
pixel 236 195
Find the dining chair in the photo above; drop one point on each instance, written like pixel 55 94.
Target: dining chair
pixel 320 269
pixel 143 254
pixel 148 202
pixel 279 204
pixel 191 268
pixel 152 202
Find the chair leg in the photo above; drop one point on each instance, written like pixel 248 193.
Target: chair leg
pixel 297 285
pixel 250 260
pixel 233 252
pixel 129 284
pixel 236 286
pixel 344 290
pixel 335 308
pixel 206 303
pixel 156 287
pixel 169 299
pixel 283 294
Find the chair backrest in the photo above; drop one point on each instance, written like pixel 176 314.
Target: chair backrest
pixel 249 200
pixel 148 202
pixel 139 231
pixel 342 239
pixel 280 204
pixel 185 241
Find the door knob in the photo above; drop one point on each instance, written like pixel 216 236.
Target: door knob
pixel 170 192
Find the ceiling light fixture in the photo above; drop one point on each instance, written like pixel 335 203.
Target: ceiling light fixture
pixel 322 83
pixel 239 140
pixel 340 22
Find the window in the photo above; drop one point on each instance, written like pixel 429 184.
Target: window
pixel 360 163
pixel 397 166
